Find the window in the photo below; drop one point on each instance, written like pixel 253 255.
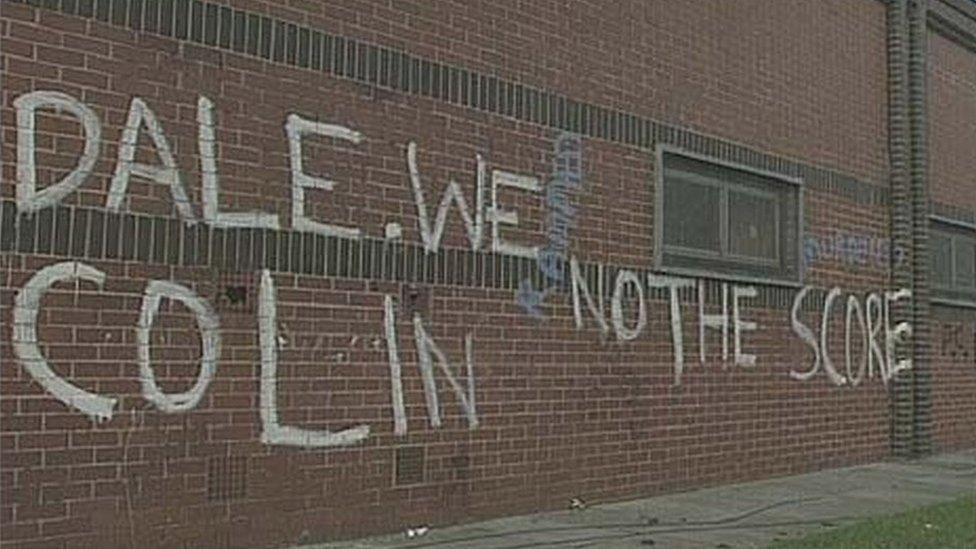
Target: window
pixel 953 261
pixel 718 219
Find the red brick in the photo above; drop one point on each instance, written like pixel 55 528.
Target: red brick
pixel 563 412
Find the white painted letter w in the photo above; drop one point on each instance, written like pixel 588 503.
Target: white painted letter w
pixel 432 238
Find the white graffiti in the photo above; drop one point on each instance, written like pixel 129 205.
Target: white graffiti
pixel 711 321
pixel 499 216
pixel 140 115
pixel 474 225
pixel 828 364
pixel 854 308
pixel 142 118
pixel 100 408
pixel 29 199
pixel 899 334
pixel 874 324
pixel 273 432
pixel 739 325
pixel 25 342
pixel 870 341
pixel 427 350
pixel 579 287
pixel 393 356
pixel 674 284
pixel 425 347
pixel 296 128
pixel 806 335
pixel 625 278
pixel 869 319
pixel 209 328
pixel 207 139
pixel 869 326
pixel 431 237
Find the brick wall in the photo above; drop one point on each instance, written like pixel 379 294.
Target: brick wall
pixel 952 102
pixel 535 408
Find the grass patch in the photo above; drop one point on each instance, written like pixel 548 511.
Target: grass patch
pixel 946 525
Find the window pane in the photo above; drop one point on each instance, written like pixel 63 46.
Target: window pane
pixel 691 213
pixel 752 226
pixel 965 262
pixel 719 218
pixel 941 259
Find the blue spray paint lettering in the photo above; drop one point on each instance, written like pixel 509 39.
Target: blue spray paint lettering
pixel 567 177
pixel 852 249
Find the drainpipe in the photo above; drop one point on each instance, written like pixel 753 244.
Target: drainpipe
pixel 899 140
pixel 911 418
pixel 921 372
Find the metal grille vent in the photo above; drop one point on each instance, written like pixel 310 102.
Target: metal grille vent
pixel 410 465
pixel 461 464
pixel 227 478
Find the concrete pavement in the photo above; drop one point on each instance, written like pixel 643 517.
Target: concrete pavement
pixel 735 516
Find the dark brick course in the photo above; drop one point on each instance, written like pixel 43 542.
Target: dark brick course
pixel 798 89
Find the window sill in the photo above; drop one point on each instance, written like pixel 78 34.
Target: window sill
pixel 956 303
pixel 725 277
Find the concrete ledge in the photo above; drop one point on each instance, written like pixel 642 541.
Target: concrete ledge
pixel 742 515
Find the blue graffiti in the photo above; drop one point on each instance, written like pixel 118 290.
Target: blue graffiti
pixel 567 178
pixel 852 249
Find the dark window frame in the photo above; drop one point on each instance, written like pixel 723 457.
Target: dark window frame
pixel 955 293
pixel 787 269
